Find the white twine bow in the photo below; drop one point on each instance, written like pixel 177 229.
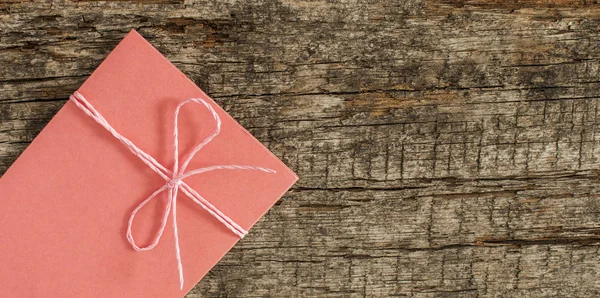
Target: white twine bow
pixel 174 178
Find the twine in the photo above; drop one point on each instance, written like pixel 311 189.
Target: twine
pixel 174 179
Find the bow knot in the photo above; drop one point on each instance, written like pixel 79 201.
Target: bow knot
pixel 175 182
pixel 174 178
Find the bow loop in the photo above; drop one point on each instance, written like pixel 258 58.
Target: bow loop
pixel 163 222
pixel 179 170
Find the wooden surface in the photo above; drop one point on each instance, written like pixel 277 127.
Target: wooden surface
pixel 445 148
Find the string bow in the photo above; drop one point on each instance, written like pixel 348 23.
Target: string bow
pixel 174 179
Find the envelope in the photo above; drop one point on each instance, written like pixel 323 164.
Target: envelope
pixel 67 199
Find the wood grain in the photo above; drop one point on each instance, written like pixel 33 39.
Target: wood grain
pixel 445 148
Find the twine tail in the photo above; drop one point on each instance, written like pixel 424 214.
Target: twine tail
pixel 176 236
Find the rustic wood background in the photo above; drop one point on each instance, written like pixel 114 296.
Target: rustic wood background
pixel 445 148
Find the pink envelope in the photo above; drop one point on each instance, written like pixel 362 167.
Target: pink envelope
pixel 67 199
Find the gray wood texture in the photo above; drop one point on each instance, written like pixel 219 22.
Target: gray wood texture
pixel 445 148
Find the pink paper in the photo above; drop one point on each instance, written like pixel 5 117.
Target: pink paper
pixel 67 198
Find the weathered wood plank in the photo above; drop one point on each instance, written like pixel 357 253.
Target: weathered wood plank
pixel 445 148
